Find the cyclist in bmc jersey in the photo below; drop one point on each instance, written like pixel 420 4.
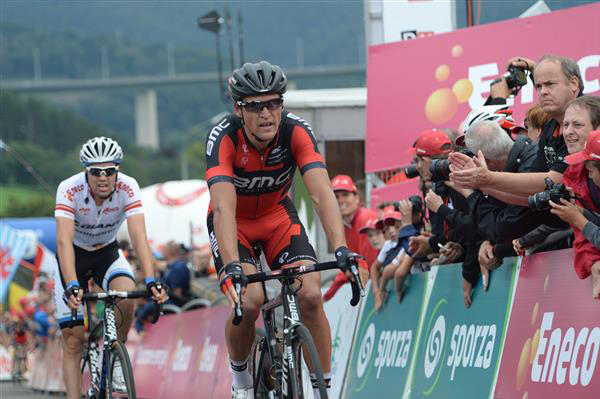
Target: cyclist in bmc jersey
pixel 90 208
pixel 251 158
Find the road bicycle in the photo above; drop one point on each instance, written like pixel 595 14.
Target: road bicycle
pixel 103 349
pixel 276 361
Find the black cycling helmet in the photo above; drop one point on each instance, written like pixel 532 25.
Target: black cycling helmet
pixel 256 79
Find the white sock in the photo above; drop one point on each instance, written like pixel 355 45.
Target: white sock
pixel 242 379
pixel 313 380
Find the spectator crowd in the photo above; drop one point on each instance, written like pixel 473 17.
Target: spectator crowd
pixel 492 189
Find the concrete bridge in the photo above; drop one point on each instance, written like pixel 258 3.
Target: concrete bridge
pixel 146 115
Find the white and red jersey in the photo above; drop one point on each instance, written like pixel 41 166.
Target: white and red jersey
pixel 97 226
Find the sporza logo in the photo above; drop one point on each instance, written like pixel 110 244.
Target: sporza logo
pixel 435 346
pixel 471 347
pixel 393 348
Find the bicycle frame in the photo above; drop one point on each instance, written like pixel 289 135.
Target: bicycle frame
pixel 98 374
pixel 281 362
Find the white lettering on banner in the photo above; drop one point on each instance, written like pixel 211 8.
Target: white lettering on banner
pixel 214 134
pixel 183 354
pixel 152 357
pixel 208 356
pixel 590 61
pixel 471 346
pixel 476 75
pixel 392 349
pixel 482 75
pixel 561 354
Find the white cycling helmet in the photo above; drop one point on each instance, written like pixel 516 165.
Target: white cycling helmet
pixel 100 150
pixel 495 113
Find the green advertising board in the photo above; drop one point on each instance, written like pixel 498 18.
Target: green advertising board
pixel 384 343
pixel 459 348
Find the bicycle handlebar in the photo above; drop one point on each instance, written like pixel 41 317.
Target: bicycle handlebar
pixel 112 294
pixel 357 288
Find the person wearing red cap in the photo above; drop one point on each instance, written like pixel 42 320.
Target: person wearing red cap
pixel 375 235
pixel 583 178
pixel 431 144
pixel 354 217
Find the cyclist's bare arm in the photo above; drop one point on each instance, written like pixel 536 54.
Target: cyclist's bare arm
pixel 319 186
pixel 136 225
pixel 223 202
pixel 65 233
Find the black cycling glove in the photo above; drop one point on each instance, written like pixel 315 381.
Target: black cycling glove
pixel 72 289
pixel 343 256
pixel 232 273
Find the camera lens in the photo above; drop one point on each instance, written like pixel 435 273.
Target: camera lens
pixel 411 171
pixel 440 170
pixel 539 201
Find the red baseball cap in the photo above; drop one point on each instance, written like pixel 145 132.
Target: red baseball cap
pixel 389 213
pixel 343 183
pixel 370 225
pixel 431 142
pixel 590 152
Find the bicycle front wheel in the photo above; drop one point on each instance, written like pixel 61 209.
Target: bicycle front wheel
pixel 120 382
pixel 303 344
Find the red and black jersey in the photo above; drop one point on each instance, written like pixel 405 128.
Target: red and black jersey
pixel 261 178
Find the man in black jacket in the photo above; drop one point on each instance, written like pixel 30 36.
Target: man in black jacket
pixel 498 221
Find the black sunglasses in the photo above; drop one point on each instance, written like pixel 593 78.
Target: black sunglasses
pixel 257 106
pixel 108 171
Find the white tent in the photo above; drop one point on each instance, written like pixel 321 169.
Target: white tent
pixel 175 210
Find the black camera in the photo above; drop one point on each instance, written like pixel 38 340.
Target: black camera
pixel 440 170
pixel 410 171
pixel 554 192
pixel 517 77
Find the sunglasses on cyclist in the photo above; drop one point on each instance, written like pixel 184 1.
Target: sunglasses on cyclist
pixel 107 171
pixel 257 106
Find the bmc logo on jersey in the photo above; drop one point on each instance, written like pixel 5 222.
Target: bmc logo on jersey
pixel 214 134
pixel 264 182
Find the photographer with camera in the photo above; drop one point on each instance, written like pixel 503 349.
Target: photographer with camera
pixel 498 221
pixel 581 117
pixel 557 81
pixel 453 233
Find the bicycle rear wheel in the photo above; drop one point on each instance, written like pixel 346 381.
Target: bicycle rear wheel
pixel 118 353
pixel 303 344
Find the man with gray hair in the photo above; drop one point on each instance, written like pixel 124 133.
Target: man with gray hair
pixel 498 221
pixel 557 81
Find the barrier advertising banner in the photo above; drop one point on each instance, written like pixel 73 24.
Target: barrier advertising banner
pixel 434 82
pixel 342 321
pixel 553 340
pixel 460 347
pixel 384 343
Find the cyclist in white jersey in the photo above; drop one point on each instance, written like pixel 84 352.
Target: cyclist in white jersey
pixel 90 208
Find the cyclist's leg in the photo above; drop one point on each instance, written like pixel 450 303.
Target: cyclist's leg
pixel 289 244
pixel 240 338
pixel 119 277
pixel 72 342
pixel 313 316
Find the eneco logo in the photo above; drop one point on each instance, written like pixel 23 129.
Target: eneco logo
pixel 435 346
pixel 365 351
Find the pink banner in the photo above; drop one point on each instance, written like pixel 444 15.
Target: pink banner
pixel 433 82
pixel 184 356
pixel 553 339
